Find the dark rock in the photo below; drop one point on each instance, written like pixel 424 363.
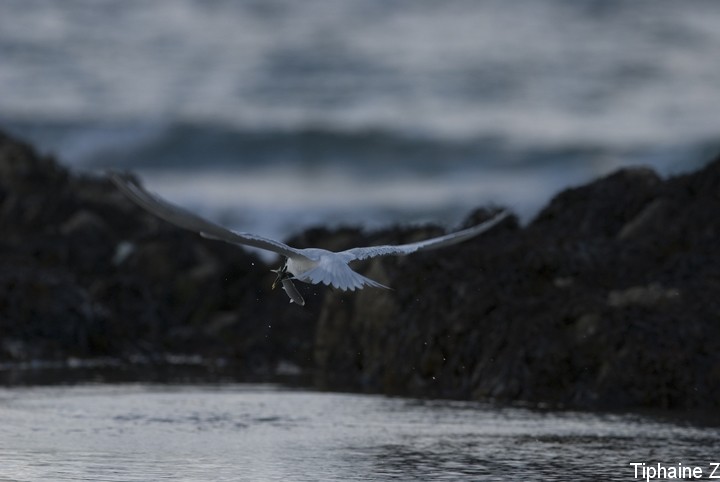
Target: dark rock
pixel 87 273
pixel 609 298
pixel 600 209
pixel 47 314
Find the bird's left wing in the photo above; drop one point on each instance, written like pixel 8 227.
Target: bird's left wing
pixel 433 243
pixel 185 219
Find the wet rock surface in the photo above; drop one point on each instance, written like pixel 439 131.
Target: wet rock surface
pixel 84 273
pixel 609 298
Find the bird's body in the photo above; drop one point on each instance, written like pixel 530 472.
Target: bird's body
pixel 301 264
pixel 317 265
pixel 309 265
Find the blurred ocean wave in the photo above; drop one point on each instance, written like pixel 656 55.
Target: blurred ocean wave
pixel 284 113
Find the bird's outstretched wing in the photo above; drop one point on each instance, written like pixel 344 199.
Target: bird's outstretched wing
pixel 185 219
pixel 355 254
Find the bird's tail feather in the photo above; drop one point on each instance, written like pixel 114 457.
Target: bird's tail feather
pixel 340 276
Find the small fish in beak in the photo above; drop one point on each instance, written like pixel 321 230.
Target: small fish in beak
pixel 292 292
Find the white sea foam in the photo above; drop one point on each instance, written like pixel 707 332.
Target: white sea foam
pixel 626 72
pixel 275 116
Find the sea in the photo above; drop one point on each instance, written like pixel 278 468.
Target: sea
pixel 255 433
pixel 272 116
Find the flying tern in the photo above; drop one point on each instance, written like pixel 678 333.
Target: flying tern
pixel 309 265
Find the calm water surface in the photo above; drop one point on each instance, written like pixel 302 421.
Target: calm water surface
pixel 260 432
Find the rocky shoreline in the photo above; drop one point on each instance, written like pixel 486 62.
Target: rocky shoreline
pixel 609 298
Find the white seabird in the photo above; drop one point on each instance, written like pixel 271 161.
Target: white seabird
pixel 309 265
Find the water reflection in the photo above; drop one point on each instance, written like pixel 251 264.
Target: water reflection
pixel 260 432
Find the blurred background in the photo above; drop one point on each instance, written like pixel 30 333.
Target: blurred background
pixel 274 115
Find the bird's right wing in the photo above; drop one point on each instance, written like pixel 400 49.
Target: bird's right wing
pixel 355 254
pixel 185 219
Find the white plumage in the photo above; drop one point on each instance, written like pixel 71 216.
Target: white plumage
pixel 310 265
